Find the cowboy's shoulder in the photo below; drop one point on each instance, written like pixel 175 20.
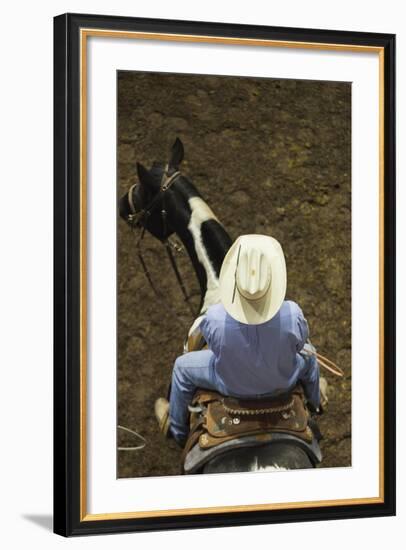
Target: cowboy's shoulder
pixel 216 312
pixel 291 308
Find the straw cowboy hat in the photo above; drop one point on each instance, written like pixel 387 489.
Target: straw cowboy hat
pixel 253 279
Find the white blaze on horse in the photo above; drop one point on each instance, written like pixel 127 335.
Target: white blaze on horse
pixel 164 202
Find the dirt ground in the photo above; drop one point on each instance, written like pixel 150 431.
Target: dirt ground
pixel 269 156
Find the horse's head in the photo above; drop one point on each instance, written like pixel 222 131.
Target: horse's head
pixel 145 200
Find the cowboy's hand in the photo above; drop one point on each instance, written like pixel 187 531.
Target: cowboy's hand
pixel 195 340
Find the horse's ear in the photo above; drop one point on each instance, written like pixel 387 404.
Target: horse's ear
pixel 143 175
pixel 177 153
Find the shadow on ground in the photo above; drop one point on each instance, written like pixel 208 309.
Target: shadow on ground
pixel 42 520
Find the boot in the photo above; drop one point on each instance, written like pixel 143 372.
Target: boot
pixel 162 415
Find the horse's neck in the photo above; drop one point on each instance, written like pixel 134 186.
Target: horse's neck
pixel 207 243
pixel 204 249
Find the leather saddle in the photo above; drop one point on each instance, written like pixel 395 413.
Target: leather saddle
pixel 219 422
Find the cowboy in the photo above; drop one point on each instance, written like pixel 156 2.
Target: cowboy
pixel 255 338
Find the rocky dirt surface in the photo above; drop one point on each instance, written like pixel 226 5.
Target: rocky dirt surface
pixel 269 156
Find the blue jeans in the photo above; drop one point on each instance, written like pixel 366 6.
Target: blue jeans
pixel 191 371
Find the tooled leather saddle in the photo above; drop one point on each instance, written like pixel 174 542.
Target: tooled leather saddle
pixel 216 421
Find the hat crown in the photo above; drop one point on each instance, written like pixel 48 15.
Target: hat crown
pixel 253 273
pixel 253 279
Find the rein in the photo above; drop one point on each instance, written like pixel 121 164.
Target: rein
pixel 136 219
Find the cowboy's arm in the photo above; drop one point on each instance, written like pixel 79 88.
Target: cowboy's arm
pixel 195 340
pixel 206 330
pixel 302 330
pixel 310 379
pixel 211 327
pixel 309 375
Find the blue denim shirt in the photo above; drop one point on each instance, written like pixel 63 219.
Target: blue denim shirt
pixel 253 360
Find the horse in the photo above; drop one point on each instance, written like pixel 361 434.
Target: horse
pixel 163 202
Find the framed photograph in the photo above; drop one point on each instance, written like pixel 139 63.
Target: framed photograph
pixel 224 274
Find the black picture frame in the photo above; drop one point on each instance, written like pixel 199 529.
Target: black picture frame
pixel 68 517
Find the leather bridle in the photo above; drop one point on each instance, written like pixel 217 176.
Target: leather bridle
pixel 138 220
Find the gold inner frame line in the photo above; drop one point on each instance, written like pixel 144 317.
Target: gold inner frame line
pixel 84 34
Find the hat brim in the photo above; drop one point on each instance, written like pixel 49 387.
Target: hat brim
pixel 253 312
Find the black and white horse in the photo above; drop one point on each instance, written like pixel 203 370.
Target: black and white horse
pixel 164 202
